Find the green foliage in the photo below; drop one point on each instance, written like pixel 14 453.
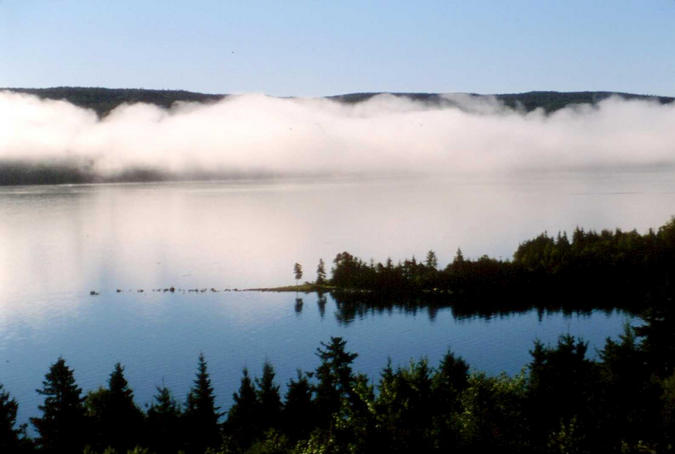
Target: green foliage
pixel 492 414
pixel 321 273
pixel 164 423
pixel 103 100
pixel 563 386
pixel 658 337
pixel 242 421
pixel 567 439
pixel 273 442
pixel 62 426
pixel 9 434
pixel 201 413
pixel 335 378
pixel 562 403
pixel 605 270
pixel 405 407
pixel 631 395
pixel 269 400
pixel 547 101
pixel 297 271
pixel 115 420
pixel 298 411
pixel 431 261
pixel 318 443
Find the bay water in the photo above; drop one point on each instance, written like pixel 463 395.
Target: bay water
pixel 127 243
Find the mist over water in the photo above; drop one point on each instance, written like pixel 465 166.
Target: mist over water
pixel 486 178
pixel 254 135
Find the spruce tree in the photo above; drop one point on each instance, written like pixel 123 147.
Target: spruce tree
pixel 268 397
pixel 61 428
pixel 9 433
pixel 335 378
pixel 115 417
pixel 201 412
pixel 321 273
pixel 243 422
pixel 432 261
pixel 298 411
pixel 297 273
pixel 164 422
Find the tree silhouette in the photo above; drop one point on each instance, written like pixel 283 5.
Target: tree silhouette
pixel 297 272
pixel 321 273
pixel 334 376
pixel 164 422
pixel 62 425
pixel 298 412
pixel 9 434
pixel 268 397
pixel 243 418
pixel 115 417
pixel 201 412
pixel 431 261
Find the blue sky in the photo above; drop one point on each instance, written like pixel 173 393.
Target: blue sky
pixel 312 48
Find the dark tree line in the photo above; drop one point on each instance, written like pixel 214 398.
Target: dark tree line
pixel 103 100
pixel 564 402
pixel 589 270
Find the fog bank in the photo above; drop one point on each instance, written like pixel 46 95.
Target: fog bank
pixel 254 134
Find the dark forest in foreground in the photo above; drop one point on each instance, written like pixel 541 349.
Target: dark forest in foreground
pixel 563 403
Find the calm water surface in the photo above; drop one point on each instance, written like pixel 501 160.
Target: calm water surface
pixel 57 243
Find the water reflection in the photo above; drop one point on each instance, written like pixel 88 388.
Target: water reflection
pixel 321 303
pixel 203 235
pixel 356 306
pixel 157 336
pixel 59 243
pixel 298 305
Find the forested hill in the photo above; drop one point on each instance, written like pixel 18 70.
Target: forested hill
pixel 550 101
pixel 103 100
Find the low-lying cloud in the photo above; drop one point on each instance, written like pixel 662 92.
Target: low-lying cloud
pixel 256 134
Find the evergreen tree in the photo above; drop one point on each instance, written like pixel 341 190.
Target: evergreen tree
pixel 243 418
pixel 115 417
pixel 268 398
pixel 297 273
pixel 450 380
pixel 62 425
pixel 298 412
pixel 448 384
pixel 632 398
pixel 405 407
pixel 164 423
pixel 561 387
pixel 201 412
pixel 321 273
pixel 431 261
pixel 657 337
pixel 9 434
pixel 334 376
pixel 459 257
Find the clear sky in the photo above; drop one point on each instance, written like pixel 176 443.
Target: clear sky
pixel 323 47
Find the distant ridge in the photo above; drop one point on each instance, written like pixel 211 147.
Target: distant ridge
pixel 103 100
pixel 550 101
